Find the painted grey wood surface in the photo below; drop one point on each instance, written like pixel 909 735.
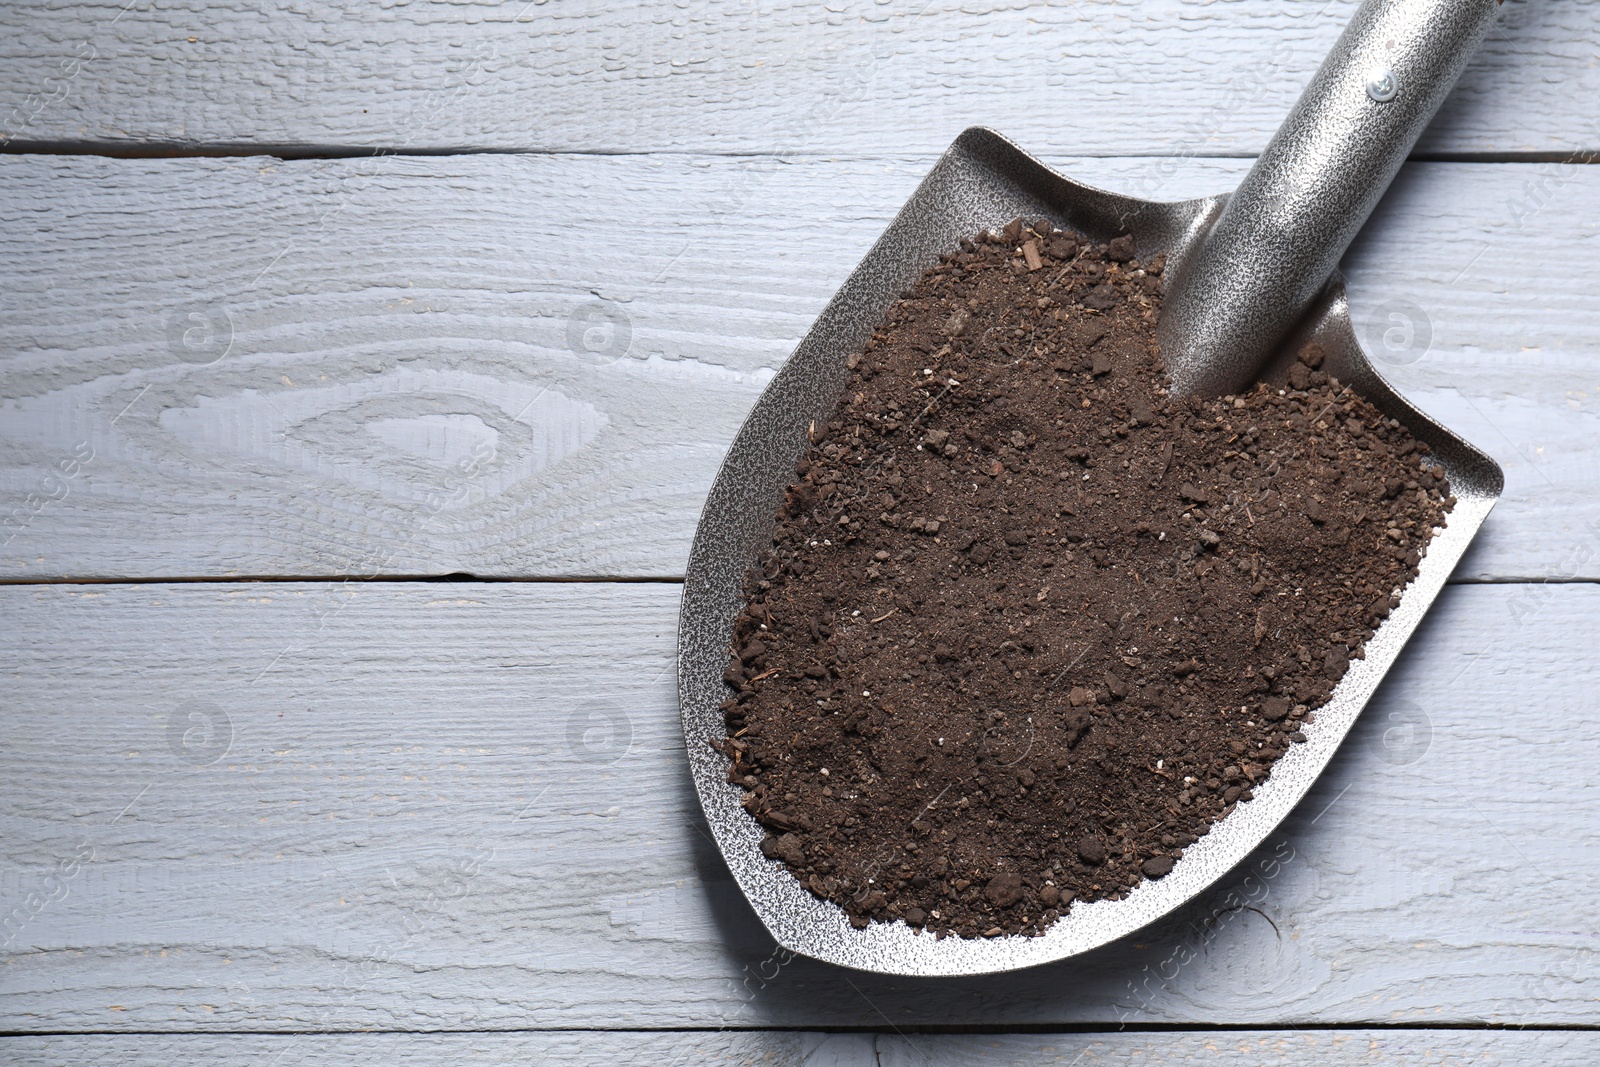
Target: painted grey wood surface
pixel 733 1048
pixel 424 806
pixel 1342 1048
pixel 1242 1048
pixel 531 366
pixel 288 806
pixel 857 77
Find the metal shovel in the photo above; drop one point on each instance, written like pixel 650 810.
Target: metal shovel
pixel 1247 284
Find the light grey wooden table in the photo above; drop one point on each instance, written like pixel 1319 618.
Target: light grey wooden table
pixel 344 500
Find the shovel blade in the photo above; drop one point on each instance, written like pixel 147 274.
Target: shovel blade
pixel 982 182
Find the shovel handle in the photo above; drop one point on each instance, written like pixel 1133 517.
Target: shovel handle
pixel 1280 236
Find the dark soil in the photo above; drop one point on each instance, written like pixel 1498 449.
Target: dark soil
pixel 1027 627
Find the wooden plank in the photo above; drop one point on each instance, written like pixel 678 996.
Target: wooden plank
pixel 219 367
pixel 775 77
pixel 758 1048
pixel 423 806
pixel 1340 1048
pixel 1241 1048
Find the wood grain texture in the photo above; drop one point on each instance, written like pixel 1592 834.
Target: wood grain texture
pixel 779 76
pixel 1347 1048
pixel 215 367
pixel 417 806
pixel 1343 1048
pixel 735 1049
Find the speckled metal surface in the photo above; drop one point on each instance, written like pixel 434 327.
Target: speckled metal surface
pixel 1259 269
pixel 982 182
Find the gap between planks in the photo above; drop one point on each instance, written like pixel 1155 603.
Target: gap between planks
pixel 490 579
pixel 341 579
pixel 975 1029
pixel 290 153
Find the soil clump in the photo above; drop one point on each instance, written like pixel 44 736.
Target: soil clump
pixel 1028 627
